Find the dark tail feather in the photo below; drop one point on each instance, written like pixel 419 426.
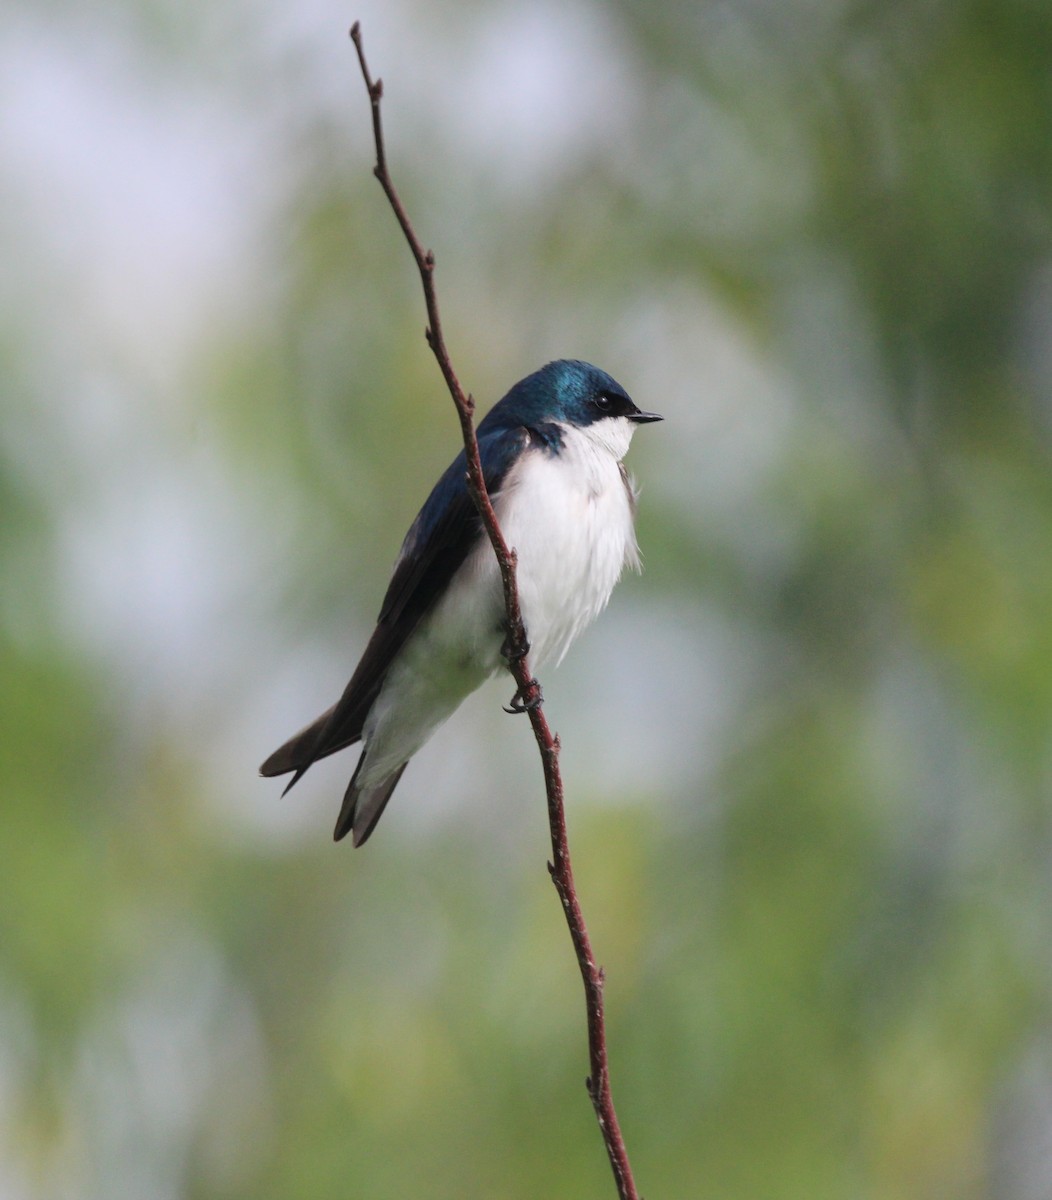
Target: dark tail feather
pixel 363 807
pixel 299 751
pixel 304 748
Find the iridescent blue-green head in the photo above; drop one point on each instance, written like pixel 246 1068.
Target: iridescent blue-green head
pixel 567 392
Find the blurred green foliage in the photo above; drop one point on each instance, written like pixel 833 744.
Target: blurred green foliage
pixel 818 238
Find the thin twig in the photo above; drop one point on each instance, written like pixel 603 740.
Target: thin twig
pixel 529 690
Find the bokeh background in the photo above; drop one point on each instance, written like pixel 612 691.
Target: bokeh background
pixel 808 752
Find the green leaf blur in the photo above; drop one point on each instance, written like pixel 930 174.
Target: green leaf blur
pixel 807 753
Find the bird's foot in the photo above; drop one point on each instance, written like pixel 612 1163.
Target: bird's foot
pixel 514 652
pixel 519 705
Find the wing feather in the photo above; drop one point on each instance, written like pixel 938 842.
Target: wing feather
pixel 438 541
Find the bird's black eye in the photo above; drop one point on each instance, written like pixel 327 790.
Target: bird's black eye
pixel 604 402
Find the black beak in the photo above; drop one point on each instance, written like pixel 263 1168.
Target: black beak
pixel 644 418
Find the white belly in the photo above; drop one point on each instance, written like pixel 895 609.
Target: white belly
pixel 569 517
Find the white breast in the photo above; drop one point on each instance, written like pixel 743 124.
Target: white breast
pixel 569 517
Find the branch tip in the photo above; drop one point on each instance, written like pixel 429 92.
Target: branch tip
pixel 559 868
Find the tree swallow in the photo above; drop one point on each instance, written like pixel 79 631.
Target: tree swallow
pixel 551 454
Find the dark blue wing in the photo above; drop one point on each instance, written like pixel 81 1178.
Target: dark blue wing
pixel 438 541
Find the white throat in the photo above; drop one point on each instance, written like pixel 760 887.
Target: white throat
pixel 612 435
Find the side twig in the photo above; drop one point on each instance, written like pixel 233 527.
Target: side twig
pixel 529 691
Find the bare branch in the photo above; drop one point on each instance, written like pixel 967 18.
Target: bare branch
pixel 528 689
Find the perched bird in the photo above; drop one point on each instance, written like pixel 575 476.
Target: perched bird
pixel 551 454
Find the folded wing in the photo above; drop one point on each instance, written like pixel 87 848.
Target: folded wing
pixel 439 540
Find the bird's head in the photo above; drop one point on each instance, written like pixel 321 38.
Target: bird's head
pixel 570 393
